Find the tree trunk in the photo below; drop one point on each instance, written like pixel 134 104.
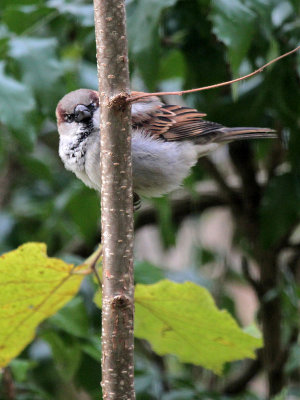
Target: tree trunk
pixel 116 201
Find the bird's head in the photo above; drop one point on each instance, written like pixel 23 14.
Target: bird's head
pixel 77 113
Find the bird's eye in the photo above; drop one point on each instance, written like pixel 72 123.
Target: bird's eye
pixel 69 118
pixel 92 106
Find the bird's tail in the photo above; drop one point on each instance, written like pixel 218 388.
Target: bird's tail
pixel 233 134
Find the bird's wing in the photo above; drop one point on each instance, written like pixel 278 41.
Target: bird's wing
pixel 175 123
pixel 172 122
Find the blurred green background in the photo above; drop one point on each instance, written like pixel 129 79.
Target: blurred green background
pixel 240 207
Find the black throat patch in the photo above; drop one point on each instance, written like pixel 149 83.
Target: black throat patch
pixel 82 135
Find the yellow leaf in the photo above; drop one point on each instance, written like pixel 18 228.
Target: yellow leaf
pixel 32 288
pixel 182 319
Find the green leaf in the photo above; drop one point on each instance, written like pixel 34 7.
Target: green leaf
pixel 280 208
pixel 72 318
pixel 182 319
pixel 143 17
pixel 88 221
pixel 165 221
pixel 147 273
pixel 40 67
pixel 84 13
pixel 172 65
pixel 179 394
pixel 233 24
pixel 20 368
pixel 293 362
pixel 37 168
pixel 92 347
pixel 283 395
pixel 16 102
pixel 66 353
pixel 20 19
pixel 33 287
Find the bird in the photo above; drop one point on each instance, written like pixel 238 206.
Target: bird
pixel 167 140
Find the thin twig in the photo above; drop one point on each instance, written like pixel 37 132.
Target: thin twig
pixel 94 266
pixel 215 173
pixel 6 180
pixel 8 384
pixel 248 276
pixel 182 208
pixel 180 93
pixel 239 384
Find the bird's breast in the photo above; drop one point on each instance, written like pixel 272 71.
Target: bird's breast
pixel 159 166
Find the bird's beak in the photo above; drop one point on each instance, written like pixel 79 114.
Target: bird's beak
pixel 82 113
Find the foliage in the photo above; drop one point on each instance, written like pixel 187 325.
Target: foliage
pixel 182 319
pixel 34 287
pixel 171 316
pixel 47 48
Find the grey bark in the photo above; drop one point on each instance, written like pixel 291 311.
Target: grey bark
pixel 116 201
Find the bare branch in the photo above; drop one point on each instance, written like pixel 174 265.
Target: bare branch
pixel 116 201
pixel 8 386
pixel 181 208
pixel 242 78
pixel 229 192
pixel 242 380
pixel 6 180
pixel 248 276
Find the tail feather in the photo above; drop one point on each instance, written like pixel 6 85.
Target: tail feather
pixel 230 134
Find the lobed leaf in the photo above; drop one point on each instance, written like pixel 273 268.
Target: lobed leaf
pixel 234 25
pixel 33 287
pixel 279 211
pixel 143 19
pixel 182 319
pixel 16 101
pixel 39 65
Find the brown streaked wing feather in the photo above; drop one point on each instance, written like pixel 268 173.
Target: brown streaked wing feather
pixel 155 122
pixel 175 123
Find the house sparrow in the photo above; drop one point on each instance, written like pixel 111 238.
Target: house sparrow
pixel 167 140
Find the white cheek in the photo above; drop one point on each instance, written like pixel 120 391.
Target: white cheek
pixel 68 129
